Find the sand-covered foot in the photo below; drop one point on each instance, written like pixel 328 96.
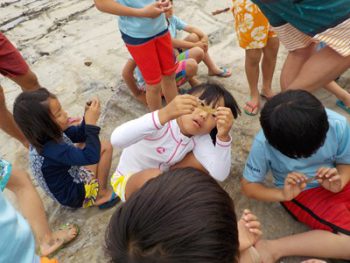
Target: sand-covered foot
pixel 66 233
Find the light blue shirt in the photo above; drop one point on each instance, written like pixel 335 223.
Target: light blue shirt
pixel 175 24
pixel 264 158
pixel 16 238
pixel 141 27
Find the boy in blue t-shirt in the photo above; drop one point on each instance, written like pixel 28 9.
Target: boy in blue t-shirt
pixel 307 149
pixel 144 30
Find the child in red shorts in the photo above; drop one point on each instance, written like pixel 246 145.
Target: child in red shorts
pixel 13 66
pixel 144 30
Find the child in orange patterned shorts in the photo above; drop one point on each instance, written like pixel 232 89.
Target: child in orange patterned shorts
pixel 254 35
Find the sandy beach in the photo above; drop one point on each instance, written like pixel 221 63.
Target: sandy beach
pixel 57 37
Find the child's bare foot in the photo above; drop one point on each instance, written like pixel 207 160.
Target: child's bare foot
pixel 267 93
pixel 59 238
pixel 106 199
pixel 262 246
pixel 220 72
pixel 252 107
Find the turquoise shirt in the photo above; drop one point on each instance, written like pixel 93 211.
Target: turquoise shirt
pixel 175 24
pixel 264 158
pixel 309 16
pixel 16 238
pixel 141 27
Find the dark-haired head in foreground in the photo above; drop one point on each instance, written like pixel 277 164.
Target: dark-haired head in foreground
pixel 295 123
pixel 180 216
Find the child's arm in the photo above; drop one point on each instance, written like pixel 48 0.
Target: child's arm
pixel 202 43
pixel 334 179
pixel 293 185
pixel 128 76
pixel 216 159
pixel 152 11
pixel 135 130
pixel 76 132
pixel 71 155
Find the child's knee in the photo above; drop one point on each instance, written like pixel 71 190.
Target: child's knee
pixel 253 56
pixel 197 54
pixel 154 89
pixel 191 68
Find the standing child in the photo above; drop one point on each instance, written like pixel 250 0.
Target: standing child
pixel 307 149
pixel 144 31
pixel 199 122
pixel 255 36
pixel 73 176
pixel 186 71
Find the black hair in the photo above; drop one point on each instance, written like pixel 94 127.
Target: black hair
pixel 32 114
pixel 180 216
pixel 295 123
pixel 211 93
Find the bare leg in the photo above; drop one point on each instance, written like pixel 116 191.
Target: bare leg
pixel 340 93
pixel 315 243
pixel 252 60
pixel 8 124
pixel 196 53
pixel 268 65
pixel 169 87
pixel 33 210
pixel 213 69
pixel 191 71
pixel 153 96
pixel 27 82
pixel 293 64
pixel 320 69
pixel 136 181
pixel 101 170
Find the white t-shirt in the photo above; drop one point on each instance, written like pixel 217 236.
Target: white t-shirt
pixel 148 144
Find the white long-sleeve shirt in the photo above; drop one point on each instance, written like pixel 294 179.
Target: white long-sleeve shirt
pixel 148 144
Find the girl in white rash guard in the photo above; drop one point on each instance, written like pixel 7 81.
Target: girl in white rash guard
pixel 198 122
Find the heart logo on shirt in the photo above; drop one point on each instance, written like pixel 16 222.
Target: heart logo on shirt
pixel 160 150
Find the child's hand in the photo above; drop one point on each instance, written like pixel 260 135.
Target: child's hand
pixel 156 9
pixel 330 179
pixel 202 45
pixel 224 122
pixel 180 105
pixel 92 112
pixel 249 230
pixel 293 185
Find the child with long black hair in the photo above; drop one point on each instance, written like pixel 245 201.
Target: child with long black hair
pixel 198 122
pixel 75 177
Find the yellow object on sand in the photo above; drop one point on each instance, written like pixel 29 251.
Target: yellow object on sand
pixel 47 260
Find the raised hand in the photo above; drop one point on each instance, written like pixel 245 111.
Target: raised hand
pixel 92 111
pixel 180 105
pixel 224 122
pixel 293 185
pixel 249 230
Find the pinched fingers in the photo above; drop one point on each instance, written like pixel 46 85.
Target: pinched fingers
pixel 294 178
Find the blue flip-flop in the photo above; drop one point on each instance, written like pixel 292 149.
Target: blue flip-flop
pixel 112 202
pixel 341 104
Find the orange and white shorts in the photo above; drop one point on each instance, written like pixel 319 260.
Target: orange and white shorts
pixel 252 27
